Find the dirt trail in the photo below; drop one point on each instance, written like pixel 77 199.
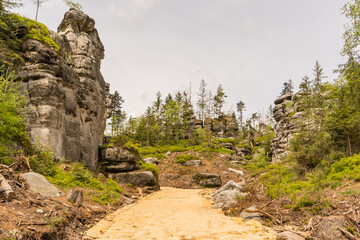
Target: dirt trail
pixel 175 214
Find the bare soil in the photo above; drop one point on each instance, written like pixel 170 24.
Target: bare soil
pixel 176 214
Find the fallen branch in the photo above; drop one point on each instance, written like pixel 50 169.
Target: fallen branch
pixel 264 213
pixel 24 224
pixel 309 226
pixel 7 190
pixel 346 233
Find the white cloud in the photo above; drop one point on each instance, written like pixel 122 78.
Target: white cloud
pixel 131 10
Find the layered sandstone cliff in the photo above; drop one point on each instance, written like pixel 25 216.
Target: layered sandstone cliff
pixel 66 90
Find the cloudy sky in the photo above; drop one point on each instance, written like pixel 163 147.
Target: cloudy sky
pixel 249 46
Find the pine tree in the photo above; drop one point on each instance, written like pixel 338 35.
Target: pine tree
pixel 202 97
pixel 118 114
pixel 219 100
pixel 241 108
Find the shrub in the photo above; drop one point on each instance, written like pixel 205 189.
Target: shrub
pixel 13 101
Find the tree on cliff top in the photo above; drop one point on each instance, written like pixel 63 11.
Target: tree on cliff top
pixel 5 5
pixel 202 95
pixel 219 100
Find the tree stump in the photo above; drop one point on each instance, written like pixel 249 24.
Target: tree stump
pixel 6 189
pixel 75 196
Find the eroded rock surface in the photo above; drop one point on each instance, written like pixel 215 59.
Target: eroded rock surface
pixel 67 93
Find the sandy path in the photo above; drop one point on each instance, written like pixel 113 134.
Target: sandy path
pixel 175 214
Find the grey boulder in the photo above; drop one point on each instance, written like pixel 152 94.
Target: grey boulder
pixel 227 198
pixel 38 183
pixel 330 228
pixel 151 160
pixel 207 180
pixel 250 215
pixel 137 178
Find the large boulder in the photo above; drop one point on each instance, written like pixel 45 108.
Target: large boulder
pixel 38 183
pixel 227 198
pixel 331 228
pixel 137 178
pixel 207 180
pixel 228 195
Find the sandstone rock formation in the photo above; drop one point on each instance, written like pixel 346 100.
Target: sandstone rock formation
pixel 225 126
pixel 67 93
pixel 284 126
pixel 122 165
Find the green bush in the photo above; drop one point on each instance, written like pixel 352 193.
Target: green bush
pixel 131 146
pixel 226 140
pixel 13 134
pixel 345 168
pixel 149 167
pixel 184 158
pixel 43 161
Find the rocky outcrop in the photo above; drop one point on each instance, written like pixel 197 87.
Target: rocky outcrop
pixel 284 127
pixel 118 160
pixel 66 91
pixel 122 165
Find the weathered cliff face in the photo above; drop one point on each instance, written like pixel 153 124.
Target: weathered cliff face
pixel 67 93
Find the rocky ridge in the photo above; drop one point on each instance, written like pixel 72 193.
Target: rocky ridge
pixel 66 90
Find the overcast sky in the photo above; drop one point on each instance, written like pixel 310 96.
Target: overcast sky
pixel 249 46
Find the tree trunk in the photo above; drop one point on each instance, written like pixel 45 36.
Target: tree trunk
pixel 37 9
